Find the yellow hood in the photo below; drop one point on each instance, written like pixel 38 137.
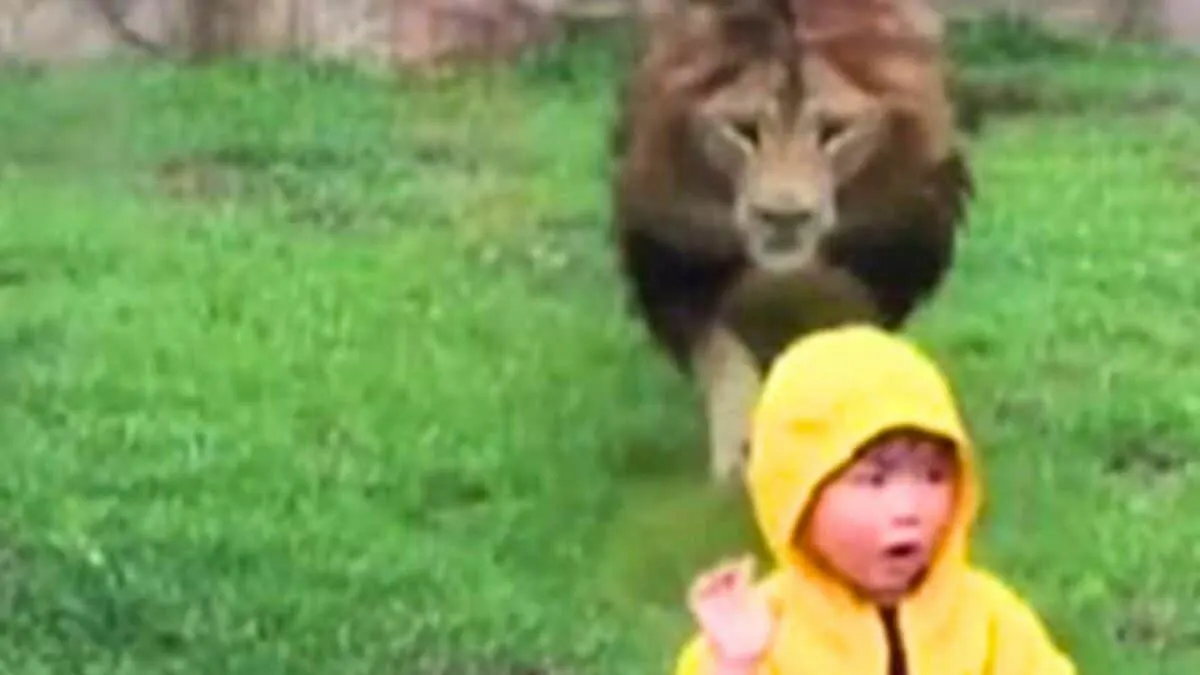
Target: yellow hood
pixel 824 397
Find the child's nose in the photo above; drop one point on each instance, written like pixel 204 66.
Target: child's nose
pixel 903 503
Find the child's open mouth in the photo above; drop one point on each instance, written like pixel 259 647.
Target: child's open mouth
pixel 902 551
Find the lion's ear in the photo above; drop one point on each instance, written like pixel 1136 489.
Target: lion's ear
pixel 922 19
pixel 658 15
pixel 909 19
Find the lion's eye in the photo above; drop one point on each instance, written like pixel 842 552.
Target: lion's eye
pixel 747 130
pixel 831 129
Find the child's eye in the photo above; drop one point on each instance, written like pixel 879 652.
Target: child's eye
pixel 872 479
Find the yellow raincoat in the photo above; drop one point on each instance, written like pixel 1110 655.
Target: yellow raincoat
pixel 825 397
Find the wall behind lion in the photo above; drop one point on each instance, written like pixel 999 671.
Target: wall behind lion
pixel 60 30
pixel 1180 21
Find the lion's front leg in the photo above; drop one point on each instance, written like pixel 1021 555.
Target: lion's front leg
pixel 730 380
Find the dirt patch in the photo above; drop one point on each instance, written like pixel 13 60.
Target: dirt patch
pixel 447 489
pixel 1188 170
pixel 198 179
pixel 239 175
pixel 1146 460
pixel 547 253
pixel 1157 623
pixel 439 666
pixel 668 530
pixel 979 100
pixel 314 188
pixel 24 346
pixel 243 170
pixel 1024 410
pixel 77 596
pixel 13 273
pixel 441 493
pixel 646 458
pixel 308 158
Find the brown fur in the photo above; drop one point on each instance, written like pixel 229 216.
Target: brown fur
pixel 685 225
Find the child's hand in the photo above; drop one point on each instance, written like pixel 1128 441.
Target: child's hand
pixel 734 618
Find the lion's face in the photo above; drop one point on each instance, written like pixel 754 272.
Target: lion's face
pixel 786 151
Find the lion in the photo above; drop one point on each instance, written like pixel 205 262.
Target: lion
pixel 779 169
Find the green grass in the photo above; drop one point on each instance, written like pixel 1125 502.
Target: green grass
pixel 348 386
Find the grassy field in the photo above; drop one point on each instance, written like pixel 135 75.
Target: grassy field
pixel 309 371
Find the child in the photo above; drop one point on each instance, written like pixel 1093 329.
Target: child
pixel 863 482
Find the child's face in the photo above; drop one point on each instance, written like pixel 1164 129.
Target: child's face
pixel 880 521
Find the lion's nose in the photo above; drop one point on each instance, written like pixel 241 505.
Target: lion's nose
pixel 785 219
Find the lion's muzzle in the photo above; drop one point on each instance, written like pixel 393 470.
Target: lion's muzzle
pixel 783 229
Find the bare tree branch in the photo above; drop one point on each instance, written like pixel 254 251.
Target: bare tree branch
pixel 114 18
